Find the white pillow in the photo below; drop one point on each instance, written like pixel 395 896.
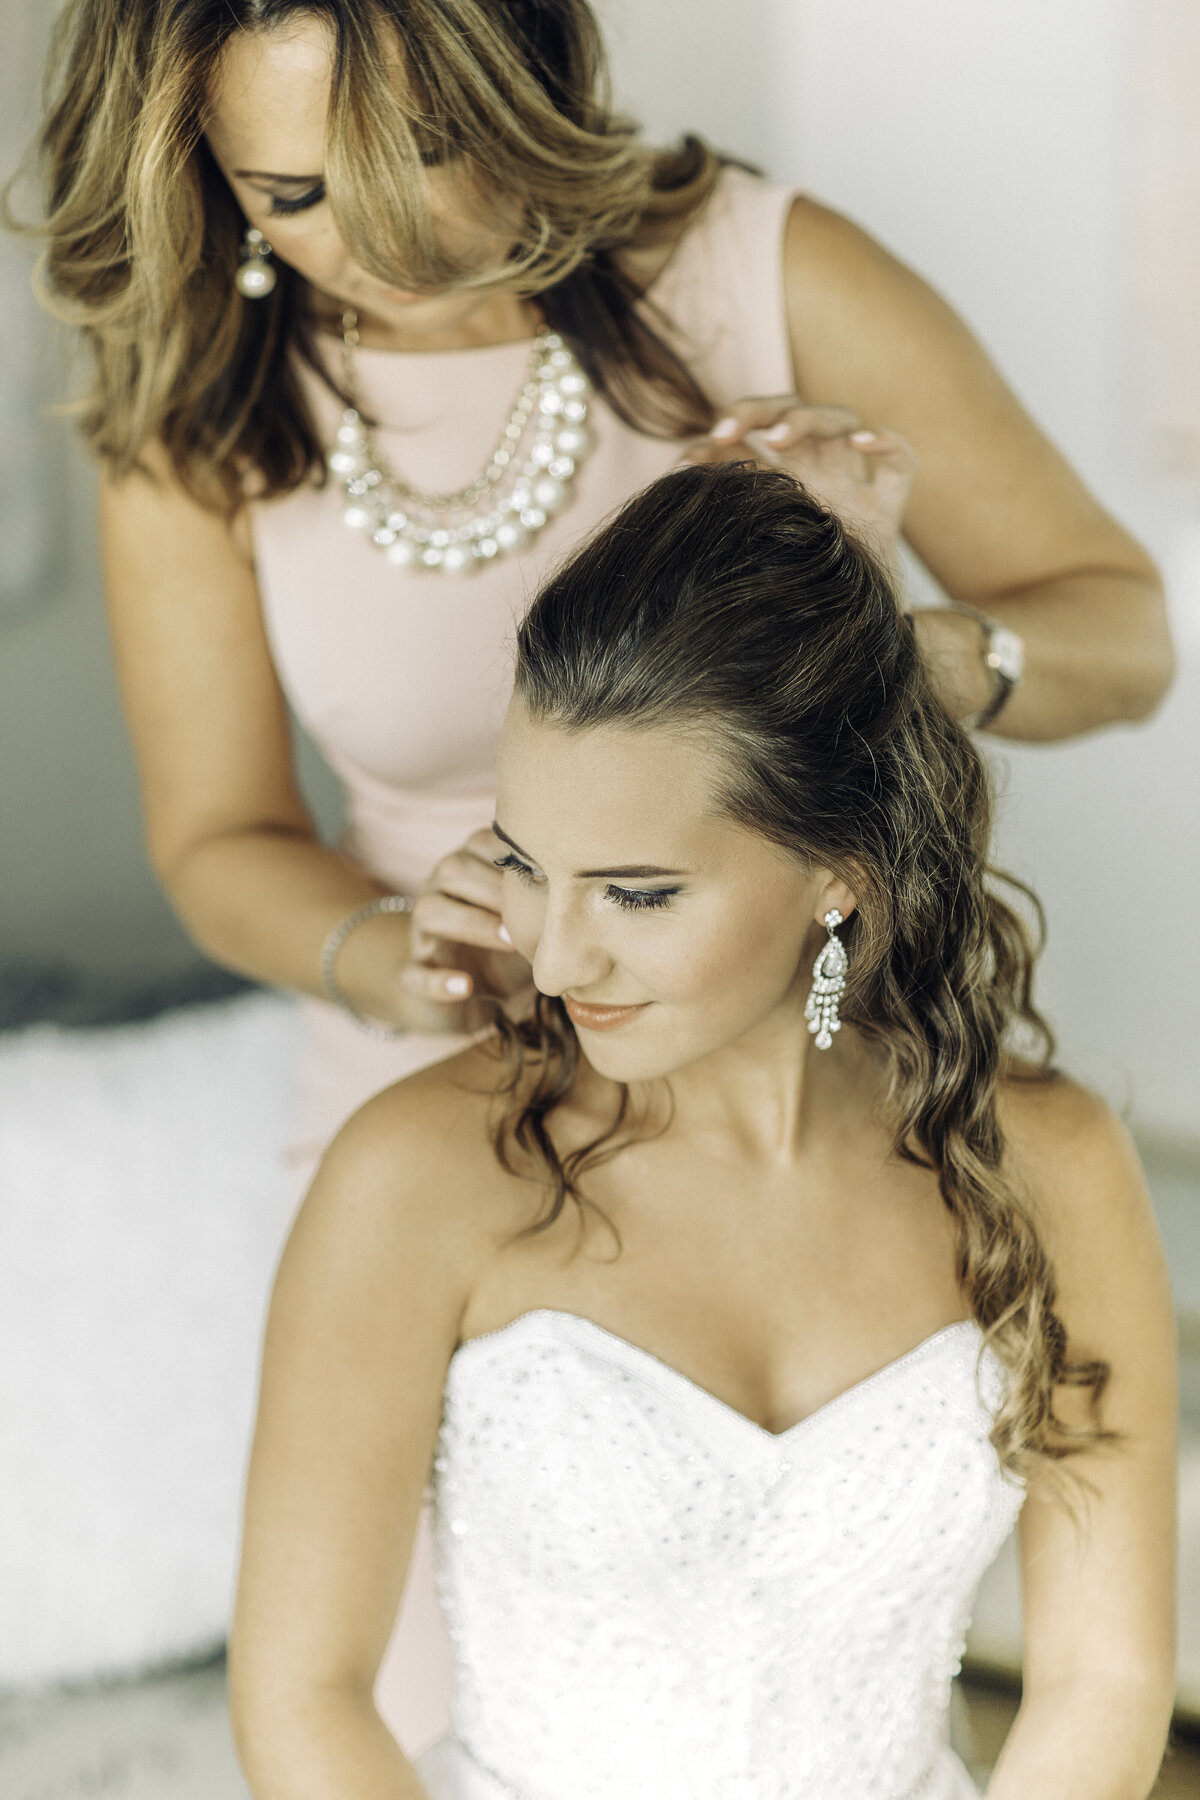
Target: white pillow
pixel 143 1204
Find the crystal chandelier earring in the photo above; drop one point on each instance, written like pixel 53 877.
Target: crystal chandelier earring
pixel 255 277
pixel 829 984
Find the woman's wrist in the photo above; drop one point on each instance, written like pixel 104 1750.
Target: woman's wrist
pixel 950 644
pixel 361 966
pixel 364 960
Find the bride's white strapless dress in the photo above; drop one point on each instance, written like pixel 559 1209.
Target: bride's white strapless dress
pixel 653 1598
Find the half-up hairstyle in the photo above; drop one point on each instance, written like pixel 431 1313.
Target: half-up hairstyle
pixel 142 230
pixel 727 600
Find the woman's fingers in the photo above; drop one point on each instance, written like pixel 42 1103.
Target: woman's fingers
pixel 782 422
pixel 783 419
pixel 886 450
pixel 461 900
pixel 486 846
pixel 456 916
pixel 704 450
pixel 441 918
pixel 444 987
pixel 469 876
pixel 863 473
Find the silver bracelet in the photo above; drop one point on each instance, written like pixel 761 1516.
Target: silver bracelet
pixel 387 903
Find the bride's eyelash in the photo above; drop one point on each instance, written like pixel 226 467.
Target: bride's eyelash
pixel 635 899
pixel 509 861
pixel 631 899
pixel 302 203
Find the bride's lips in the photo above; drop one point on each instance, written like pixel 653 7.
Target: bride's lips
pixel 601 1018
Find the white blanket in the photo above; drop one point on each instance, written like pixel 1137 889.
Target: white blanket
pixel 143 1204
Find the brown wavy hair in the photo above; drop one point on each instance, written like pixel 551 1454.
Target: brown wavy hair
pixel 728 599
pixel 142 230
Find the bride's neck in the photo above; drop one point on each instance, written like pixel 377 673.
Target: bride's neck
pixel 756 1101
pixel 755 1092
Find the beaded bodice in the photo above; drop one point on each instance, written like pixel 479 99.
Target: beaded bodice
pixel 651 1595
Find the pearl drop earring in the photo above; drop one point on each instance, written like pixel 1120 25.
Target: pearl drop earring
pixel 255 277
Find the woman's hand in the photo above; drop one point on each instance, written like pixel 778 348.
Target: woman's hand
pixel 861 474
pixel 443 966
pixel 459 949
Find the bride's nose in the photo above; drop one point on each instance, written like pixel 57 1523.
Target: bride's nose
pixel 569 957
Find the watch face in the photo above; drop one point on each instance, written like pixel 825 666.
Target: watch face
pixel 1006 653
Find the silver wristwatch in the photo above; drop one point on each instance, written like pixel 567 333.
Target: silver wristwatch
pixel 1003 654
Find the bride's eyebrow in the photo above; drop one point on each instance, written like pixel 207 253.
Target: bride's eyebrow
pixel 635 871
pixel 511 842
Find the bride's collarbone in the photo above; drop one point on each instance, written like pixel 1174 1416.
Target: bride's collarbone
pixel 774 1316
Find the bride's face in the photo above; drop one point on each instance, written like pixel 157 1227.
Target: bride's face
pixel 266 128
pixel 669 931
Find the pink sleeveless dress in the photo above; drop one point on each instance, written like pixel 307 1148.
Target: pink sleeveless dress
pixel 402 678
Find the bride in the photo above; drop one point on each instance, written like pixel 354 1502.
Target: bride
pixel 734 1309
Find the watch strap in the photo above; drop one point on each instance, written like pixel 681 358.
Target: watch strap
pixel 1003 654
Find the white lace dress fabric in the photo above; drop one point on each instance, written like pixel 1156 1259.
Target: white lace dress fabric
pixel 652 1596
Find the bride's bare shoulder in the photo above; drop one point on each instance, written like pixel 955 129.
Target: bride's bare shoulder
pixel 417 1169
pixel 1074 1162
pixel 1062 1140
pixel 1050 1119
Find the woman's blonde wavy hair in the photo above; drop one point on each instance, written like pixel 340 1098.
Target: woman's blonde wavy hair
pixel 728 600
pixel 142 231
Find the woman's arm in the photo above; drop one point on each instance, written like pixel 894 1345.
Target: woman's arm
pixel 995 513
pixel 363 1323
pixel 226 829
pixel 1099 1588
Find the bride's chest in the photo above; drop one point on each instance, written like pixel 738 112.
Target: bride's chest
pixel 586 1467
pixel 773 1301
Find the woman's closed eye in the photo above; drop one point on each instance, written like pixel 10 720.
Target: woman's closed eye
pixel 302 202
pixel 631 899
pixel 514 866
pixel 636 899
pixel 282 205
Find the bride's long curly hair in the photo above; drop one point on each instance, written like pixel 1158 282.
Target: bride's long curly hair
pixel 727 598
pixel 141 229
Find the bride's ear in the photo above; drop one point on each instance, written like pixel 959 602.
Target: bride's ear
pixel 835 896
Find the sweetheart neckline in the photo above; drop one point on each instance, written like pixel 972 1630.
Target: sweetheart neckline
pixel 634 1353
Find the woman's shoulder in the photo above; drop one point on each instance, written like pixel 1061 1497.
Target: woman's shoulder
pixel 151 497
pixel 1049 1119
pixel 416 1167
pixel 1074 1162
pixel 741 217
pixel 854 307
pixel 1063 1140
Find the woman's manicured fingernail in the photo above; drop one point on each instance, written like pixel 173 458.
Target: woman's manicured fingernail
pixel 724 428
pixel 458 985
pixel 778 434
pixel 863 438
pixel 502 933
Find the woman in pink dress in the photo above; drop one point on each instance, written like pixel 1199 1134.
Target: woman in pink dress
pixel 413 241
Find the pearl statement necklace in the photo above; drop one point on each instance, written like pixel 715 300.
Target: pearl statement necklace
pixel 505 506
